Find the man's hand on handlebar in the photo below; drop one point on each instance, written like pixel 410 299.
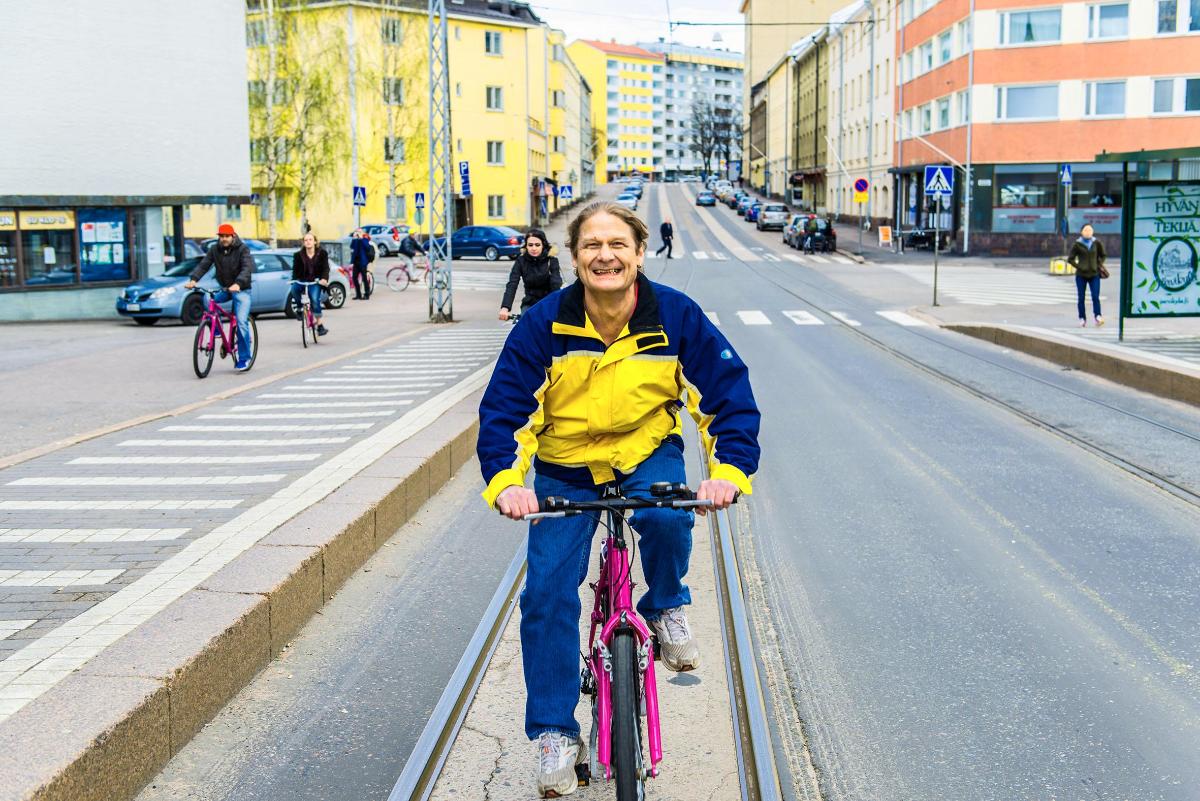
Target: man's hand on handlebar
pixel 190 285
pixel 722 493
pixel 515 502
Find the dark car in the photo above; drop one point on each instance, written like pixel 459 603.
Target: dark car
pixel 485 241
pixel 824 240
pixel 706 199
pixel 734 198
pixel 753 210
pixel 793 232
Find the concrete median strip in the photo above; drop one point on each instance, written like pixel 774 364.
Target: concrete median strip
pixel 101 732
pixel 1158 375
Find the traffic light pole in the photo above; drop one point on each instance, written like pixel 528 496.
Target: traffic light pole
pixel 440 199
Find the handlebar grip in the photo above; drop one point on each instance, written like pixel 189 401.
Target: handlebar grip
pixel 554 503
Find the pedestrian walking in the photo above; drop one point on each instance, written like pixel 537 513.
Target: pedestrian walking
pixel 1087 257
pixel 537 268
pixel 310 263
pixel 667 231
pixel 361 256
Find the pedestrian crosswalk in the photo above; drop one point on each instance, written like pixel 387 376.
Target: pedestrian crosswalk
pixel 991 286
pixel 804 317
pixel 757 254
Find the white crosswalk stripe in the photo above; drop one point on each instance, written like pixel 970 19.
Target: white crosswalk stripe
pixel 753 317
pixel 770 257
pixel 266 406
pixel 56 578
pixel 231 444
pixel 902 318
pixel 719 256
pixel 992 286
pixel 294 415
pixel 817 259
pixel 225 429
pixel 31 535
pixel 275 458
pixel 143 481
pixel 699 254
pixel 326 395
pixel 841 260
pixel 803 318
pixel 845 318
pixel 793 257
pixel 153 504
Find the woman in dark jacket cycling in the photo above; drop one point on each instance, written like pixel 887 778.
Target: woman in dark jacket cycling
pixel 310 263
pixel 537 268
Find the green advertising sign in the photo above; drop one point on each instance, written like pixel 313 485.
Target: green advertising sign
pixel 1162 243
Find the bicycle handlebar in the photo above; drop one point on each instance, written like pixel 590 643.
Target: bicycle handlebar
pixel 305 283
pixel 665 496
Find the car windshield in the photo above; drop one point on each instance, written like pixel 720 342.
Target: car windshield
pixel 776 208
pixel 182 268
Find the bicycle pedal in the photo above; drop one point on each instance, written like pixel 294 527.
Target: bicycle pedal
pixel 583 774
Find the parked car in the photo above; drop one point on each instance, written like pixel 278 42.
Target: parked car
pixel 824 240
pixel 706 198
pixel 742 204
pixel 164 297
pixel 690 179
pixel 772 215
pixel 386 238
pixel 752 211
pixel 734 198
pixel 253 244
pixel 793 231
pixel 628 200
pixel 485 241
pixel 634 187
pixel 191 249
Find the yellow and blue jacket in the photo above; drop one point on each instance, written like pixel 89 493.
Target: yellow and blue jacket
pixel 589 412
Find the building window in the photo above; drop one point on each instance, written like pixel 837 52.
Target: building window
pixel 1108 21
pixel 1171 18
pixel 393 150
pixel 560 144
pixel 492 44
pixel 495 98
pixel 1025 198
pixel 393 30
pixel 925 58
pixel 1031 27
pixel 1105 99
pixel 232 212
pixel 496 207
pixel 560 98
pixel 926 118
pixel 944 48
pixel 964 36
pixel 1177 96
pixel 256 33
pixel 393 91
pixel 964 107
pixel 1027 102
pixel 47 247
pixel 943 113
pixel 1167 18
pixel 495 153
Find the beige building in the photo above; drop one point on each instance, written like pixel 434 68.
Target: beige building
pixel 572 152
pixel 860 107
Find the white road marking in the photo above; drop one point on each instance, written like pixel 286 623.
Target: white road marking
pixel 770 257
pixel 56 578
pixel 123 505
pixel 379 367
pixel 143 481
pixel 719 256
pixel 754 317
pixel 10 627
pixel 728 240
pixel 293 415
pixel 323 395
pixel 713 317
pixel 841 260
pixel 845 318
pixel 264 406
pixel 43 663
pixel 793 257
pixel 354 379
pixel 803 318
pixel 901 318
pixel 225 459
pixel 231 444
pixel 11 535
pixel 397 382
pixel 820 259
pixel 261 428
pixel 699 254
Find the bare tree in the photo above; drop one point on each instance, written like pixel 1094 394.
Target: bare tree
pixel 701 131
pixel 727 133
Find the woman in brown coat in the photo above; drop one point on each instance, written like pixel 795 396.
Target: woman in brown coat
pixel 1087 257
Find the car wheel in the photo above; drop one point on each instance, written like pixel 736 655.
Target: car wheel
pixel 337 296
pixel 192 311
pixel 145 320
pixel 383 250
pixel 289 309
pixel 492 253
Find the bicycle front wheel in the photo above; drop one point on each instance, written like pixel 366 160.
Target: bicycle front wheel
pixel 397 279
pixel 253 342
pixel 202 348
pixel 626 722
pixel 303 318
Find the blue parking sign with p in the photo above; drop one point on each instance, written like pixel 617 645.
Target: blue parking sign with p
pixel 939 180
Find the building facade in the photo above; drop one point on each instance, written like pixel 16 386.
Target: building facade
pixel 810 87
pixel 1015 92
pixel 627 106
pixel 572 160
pixel 861 54
pixel 702 108
pixel 92 193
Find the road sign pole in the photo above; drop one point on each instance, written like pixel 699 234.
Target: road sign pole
pixel 860 229
pixel 936 237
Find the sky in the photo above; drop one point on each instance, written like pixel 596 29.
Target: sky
pixel 630 21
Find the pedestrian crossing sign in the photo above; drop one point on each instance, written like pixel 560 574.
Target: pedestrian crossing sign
pixel 565 192
pixel 360 196
pixel 939 181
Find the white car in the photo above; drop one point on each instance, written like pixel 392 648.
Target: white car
pixel 628 200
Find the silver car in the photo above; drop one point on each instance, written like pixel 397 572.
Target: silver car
pixel 386 237
pixel 772 215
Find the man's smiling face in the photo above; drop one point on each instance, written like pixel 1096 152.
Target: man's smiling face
pixel 608 259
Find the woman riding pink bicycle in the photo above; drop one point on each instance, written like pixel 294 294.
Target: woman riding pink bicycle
pixel 588 391
pixel 310 267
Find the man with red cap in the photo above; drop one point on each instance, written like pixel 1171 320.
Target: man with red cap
pixel 234 267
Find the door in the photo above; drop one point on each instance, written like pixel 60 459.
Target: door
pixel 466 242
pixel 272 279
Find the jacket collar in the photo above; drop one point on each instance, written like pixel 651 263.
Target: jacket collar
pixel 643 331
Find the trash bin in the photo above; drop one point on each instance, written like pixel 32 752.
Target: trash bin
pixel 1060 266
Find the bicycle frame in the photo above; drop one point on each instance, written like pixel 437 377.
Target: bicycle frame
pixel 219 317
pixel 614 589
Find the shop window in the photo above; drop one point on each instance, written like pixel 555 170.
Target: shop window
pixel 104 252
pixel 8 248
pixel 1031 27
pixel 1025 198
pixel 47 247
pixel 1095 198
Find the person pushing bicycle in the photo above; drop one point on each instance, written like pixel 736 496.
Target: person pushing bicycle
pixel 588 391
pixel 310 263
pixel 234 266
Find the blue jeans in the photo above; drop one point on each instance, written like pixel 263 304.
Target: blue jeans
pixel 557 567
pixel 241 310
pixel 1081 284
pixel 314 297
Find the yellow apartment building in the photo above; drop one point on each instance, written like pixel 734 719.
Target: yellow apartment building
pixel 349 106
pixel 627 106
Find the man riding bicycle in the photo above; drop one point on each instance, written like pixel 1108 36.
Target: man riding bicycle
pixel 588 391
pixel 410 247
pixel 234 265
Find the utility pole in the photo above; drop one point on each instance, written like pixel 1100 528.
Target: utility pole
pixel 350 45
pixel 870 122
pixel 441 187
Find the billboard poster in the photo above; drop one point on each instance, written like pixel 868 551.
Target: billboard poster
pixel 1164 248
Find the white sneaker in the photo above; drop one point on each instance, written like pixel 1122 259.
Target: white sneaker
pixel 557 756
pixel 679 651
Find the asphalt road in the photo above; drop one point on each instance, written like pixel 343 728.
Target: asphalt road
pixel 952 602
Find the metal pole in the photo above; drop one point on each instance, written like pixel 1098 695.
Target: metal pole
pixel 970 124
pixel 898 111
pixel 870 123
pixel 441 188
pixel 353 110
pixel 936 237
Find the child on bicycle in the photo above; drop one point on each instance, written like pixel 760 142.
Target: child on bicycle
pixel 588 391
pixel 310 263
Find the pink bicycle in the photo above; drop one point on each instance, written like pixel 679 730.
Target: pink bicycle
pixel 216 323
pixel 619 669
